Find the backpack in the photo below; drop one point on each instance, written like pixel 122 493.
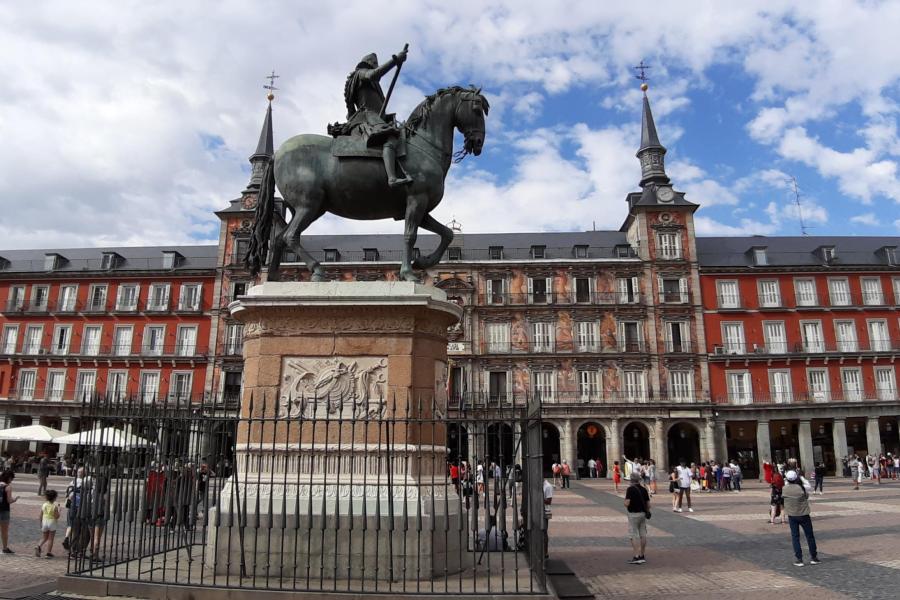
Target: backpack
pixel 73 499
pixel 4 499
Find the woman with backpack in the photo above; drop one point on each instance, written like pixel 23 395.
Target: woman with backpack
pixel 6 500
pixel 73 503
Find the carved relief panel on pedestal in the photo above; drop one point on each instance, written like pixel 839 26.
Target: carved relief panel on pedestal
pixel 333 387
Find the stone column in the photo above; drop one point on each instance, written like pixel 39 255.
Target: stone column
pixel 721 441
pixel 65 424
pixel 32 446
pixel 839 437
pixel 763 446
pixel 614 447
pixel 804 438
pixel 709 435
pixel 873 436
pixel 662 447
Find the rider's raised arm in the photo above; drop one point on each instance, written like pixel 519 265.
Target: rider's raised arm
pixel 377 73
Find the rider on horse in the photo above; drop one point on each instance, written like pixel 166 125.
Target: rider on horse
pixel 365 102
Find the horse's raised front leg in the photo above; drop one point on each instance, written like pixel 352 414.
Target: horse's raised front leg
pixel 415 212
pixel 431 224
pixel 304 216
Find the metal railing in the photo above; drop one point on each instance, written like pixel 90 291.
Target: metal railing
pixel 305 494
pixel 804 398
pixel 790 348
pixel 488 399
pixel 544 298
pixel 134 350
pixel 569 346
pixel 106 306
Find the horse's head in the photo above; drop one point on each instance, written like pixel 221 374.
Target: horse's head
pixel 471 110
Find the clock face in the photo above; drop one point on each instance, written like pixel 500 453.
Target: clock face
pixel 665 194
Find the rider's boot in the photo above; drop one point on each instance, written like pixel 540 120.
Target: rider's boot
pixel 389 154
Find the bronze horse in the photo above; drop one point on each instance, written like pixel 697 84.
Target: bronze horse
pixel 314 182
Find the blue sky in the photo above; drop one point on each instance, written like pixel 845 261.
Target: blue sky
pixel 133 126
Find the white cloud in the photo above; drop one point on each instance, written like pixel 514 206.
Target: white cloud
pixel 869 219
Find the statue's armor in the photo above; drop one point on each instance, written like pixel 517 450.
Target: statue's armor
pixel 365 98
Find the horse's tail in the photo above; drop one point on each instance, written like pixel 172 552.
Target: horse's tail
pixel 258 249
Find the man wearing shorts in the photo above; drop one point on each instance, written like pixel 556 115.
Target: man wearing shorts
pixel 684 487
pixel 637 505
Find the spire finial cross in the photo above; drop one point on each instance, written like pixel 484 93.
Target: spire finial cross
pixel 643 71
pixel 271 85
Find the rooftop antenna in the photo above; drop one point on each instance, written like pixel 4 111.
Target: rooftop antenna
pixel 796 189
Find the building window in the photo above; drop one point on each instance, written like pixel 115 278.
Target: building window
pixel 238 288
pixel 805 292
pixel 760 258
pixel 149 389
pixel 158 298
pixel 542 337
pixel 33 336
pixel 623 251
pixel 628 290
pixel 117 385
pixel 581 251
pixel 740 390
pixel 811 334
pixel 775 337
pixel 851 380
pixel 540 290
pixel 817 380
pixel 769 293
pixel 839 291
pixel 890 255
pixel 497 337
pixel 538 251
pixel 234 339
pixel 845 335
pixel 370 254
pixel 56 385
pixel 495 252
pixel 497 386
pixel 85 385
pixel 10 339
pixel 90 342
pixel 879 338
pixel 828 254
pixel 97 297
pixel 733 338
pixel 170 260
pixel 154 339
pixel 180 387
pixel 39 295
pixel 122 337
pixel 681 386
pixel 543 385
pixel 496 291
pixel 885 384
pixel 583 289
pixel 67 297
pixel 896 283
pixel 634 386
pixel 186 340
pixel 231 386
pixel 873 294
pixel 586 336
pixel 51 262
pixel 108 261
pixel 588 386
pixel 127 297
pixel 669 246
pixel 454 253
pixel 16 298
pixel 780 387
pixel 62 335
pixel 677 336
pixel 189 297
pixel 241 247
pixel 728 294
pixel 674 290
pixel 332 255
pixel 630 336
pixel 27 384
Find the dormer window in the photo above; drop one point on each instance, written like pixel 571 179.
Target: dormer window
pixel 537 252
pixel 52 262
pixel 454 253
pixel 370 254
pixel 496 252
pixel 109 261
pixel 170 259
pixel 828 254
pixel 581 251
pixel 760 258
pixel 4 263
pixel 890 256
pixel 624 251
pixel 332 255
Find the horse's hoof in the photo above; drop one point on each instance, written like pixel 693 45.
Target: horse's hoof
pixel 409 276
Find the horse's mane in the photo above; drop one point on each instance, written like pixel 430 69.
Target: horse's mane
pixel 419 116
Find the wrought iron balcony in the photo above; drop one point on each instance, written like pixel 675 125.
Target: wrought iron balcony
pixel 471 400
pixel 136 350
pixel 805 398
pixel 568 298
pixel 804 348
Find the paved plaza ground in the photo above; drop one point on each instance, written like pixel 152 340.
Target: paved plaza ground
pixel 725 548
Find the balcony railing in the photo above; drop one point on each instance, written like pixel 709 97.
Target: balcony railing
pixel 73 395
pixel 606 298
pixel 136 350
pixel 89 307
pixel 804 398
pixel 486 399
pixel 794 348
pixel 570 346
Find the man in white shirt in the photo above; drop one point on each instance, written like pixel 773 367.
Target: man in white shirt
pixel 548 499
pixel 592 468
pixel 684 486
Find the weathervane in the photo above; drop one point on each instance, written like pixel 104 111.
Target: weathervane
pixel 643 74
pixel 271 86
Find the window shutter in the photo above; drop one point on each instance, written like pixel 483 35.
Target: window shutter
pixel 548 286
pixel 635 290
pixel 490 291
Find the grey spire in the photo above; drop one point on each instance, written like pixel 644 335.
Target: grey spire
pixel 265 150
pixel 651 153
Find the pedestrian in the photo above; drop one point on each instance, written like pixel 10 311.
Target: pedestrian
pixel 896 466
pixel 6 501
pixel 651 470
pixel 637 504
pixel 820 477
pixel 43 473
pixel 454 476
pixel 566 473
pixel 737 476
pixel 684 487
pixel 617 475
pixel 49 520
pixel 673 487
pixel 592 468
pixel 776 500
pixel 74 522
pixel 767 471
pixel 726 477
pixel 556 469
pixel 479 478
pixel 548 514
pixel 796 505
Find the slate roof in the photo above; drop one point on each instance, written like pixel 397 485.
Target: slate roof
pixel 790 251
pixel 134 258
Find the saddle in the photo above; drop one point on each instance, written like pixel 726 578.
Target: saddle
pixel 354 146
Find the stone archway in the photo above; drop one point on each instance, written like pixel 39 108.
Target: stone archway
pixel 457 442
pixel 636 441
pixel 500 445
pixel 550 445
pixel 683 443
pixel 591 444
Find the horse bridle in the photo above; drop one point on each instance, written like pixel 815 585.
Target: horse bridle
pixel 466 132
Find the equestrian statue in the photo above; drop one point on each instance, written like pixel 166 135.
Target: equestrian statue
pixel 371 168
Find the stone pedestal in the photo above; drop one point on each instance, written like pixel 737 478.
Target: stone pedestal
pixel 341 447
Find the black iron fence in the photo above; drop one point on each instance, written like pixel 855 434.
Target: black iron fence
pixel 321 494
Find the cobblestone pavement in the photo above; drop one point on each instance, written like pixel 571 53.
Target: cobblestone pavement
pixel 727 546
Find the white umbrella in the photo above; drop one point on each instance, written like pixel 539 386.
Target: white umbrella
pixel 31 433
pixel 105 436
